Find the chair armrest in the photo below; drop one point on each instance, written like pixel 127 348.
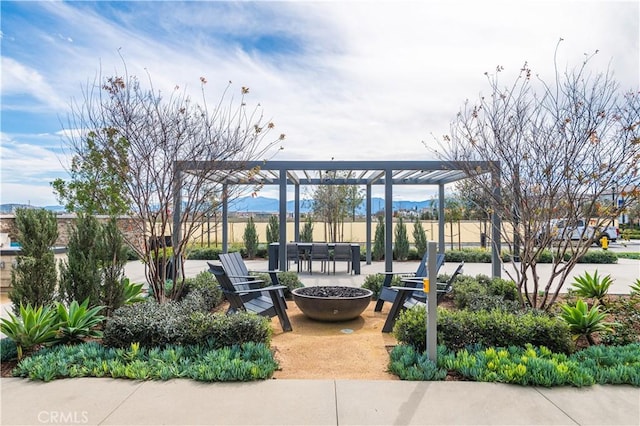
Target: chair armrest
pixel 256 290
pixel 405 288
pixel 268 271
pixel 249 282
pixel 242 276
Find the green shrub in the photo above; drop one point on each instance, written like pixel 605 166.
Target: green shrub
pixel 410 327
pixel 289 279
pixel 185 322
pixel 485 293
pixel 458 329
pixel 409 364
pixel 468 255
pixel 306 234
pixel 249 361
pixel 273 229
pixel 206 286
pixel 222 330
pixel 113 257
pixel 149 323
pixel 131 254
pixel 80 276
pixel 8 349
pixel 378 240
pixel 419 238
pixel 34 277
pixel 592 256
pixel 599 256
pixel 250 238
pixel 374 283
pixel 204 253
pixel 625 328
pixel 78 321
pixel 401 241
pixel 33 327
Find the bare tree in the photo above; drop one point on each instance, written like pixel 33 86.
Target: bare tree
pixel 153 132
pixel 334 202
pixel 560 147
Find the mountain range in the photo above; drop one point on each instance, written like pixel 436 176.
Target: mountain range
pixel 271 205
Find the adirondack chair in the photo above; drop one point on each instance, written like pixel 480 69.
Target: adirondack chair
pixel 244 296
pixel 387 294
pixel 237 270
pixel 407 297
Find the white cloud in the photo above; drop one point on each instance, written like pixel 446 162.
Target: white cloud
pixel 21 162
pixel 20 79
pixel 364 80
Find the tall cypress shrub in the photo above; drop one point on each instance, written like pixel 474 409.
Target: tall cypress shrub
pixel 419 238
pixel 378 240
pixel 401 247
pixel 273 230
pixel 34 278
pixel 306 235
pixel 80 275
pixel 113 256
pixel 250 239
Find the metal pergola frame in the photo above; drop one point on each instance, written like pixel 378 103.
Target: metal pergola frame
pixel 367 173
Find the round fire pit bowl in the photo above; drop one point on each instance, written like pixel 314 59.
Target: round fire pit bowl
pixel 332 303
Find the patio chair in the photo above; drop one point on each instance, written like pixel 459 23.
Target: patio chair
pixel 387 294
pixel 408 297
pixel 293 254
pixel 319 251
pixel 342 252
pixel 248 296
pixel 237 270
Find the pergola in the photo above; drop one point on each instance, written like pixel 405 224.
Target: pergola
pixel 361 173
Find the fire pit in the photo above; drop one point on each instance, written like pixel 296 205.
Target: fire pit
pixel 332 303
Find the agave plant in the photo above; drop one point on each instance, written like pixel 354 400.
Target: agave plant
pixel 78 322
pixel 593 286
pixel 132 292
pixel 635 287
pixel 583 321
pixel 32 327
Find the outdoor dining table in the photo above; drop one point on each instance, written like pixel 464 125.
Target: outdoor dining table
pixel 305 247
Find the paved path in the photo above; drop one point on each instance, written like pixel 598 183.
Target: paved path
pixel 312 402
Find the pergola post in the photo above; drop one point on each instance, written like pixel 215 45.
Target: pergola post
pixel 296 213
pixel 495 224
pixel 282 252
pixel 176 234
pixel 225 219
pixel 388 219
pixel 368 230
pixel 441 202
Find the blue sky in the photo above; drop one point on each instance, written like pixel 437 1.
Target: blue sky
pixel 345 80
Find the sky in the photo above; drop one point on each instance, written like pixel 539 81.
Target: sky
pixel 344 80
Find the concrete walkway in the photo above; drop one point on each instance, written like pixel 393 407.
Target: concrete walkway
pixel 312 402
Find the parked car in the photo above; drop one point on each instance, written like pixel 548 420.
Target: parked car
pixel 566 229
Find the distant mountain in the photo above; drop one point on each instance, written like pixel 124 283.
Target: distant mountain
pixel 266 205
pixel 10 208
pixel 271 205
